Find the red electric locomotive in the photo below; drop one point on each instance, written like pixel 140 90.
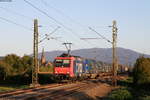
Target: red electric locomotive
pixel 66 67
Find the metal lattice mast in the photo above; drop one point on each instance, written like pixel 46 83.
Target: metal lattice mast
pixel 35 56
pixel 114 54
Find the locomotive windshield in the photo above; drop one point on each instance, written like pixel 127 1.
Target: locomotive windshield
pixel 62 63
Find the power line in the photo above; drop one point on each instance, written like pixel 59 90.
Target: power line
pixel 100 35
pixel 56 39
pixel 46 14
pixel 20 25
pixel 47 35
pixel 62 13
pixel 43 12
pixel 16 13
pixel 89 38
pixel 19 14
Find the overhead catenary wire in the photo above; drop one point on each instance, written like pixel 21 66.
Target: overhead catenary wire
pixel 17 24
pixel 46 14
pixel 86 39
pixel 68 17
pixel 56 21
pixel 89 38
pixel 19 14
pixel 43 12
pixel 100 35
pixel 16 13
pixel 47 35
pixel 12 22
pixel 61 12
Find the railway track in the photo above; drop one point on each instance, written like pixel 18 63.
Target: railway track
pixel 21 91
pixel 49 92
pixel 58 94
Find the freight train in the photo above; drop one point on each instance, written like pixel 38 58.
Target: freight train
pixel 75 67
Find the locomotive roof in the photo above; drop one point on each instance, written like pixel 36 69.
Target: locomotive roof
pixel 66 55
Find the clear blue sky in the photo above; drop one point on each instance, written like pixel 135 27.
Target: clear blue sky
pixel 132 16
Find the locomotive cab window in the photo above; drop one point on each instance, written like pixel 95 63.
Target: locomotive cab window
pixel 62 63
pixel 58 63
pixel 66 63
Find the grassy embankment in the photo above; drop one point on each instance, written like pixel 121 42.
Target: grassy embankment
pixel 130 91
pixel 43 79
pixel 4 88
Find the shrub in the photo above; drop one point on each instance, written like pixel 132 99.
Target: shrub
pixel 141 72
pixel 120 94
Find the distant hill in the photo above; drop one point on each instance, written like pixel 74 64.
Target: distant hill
pixel 102 54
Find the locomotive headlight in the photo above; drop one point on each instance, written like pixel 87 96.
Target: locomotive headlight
pixel 67 72
pixel 56 72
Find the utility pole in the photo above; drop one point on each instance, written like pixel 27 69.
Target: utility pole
pixel 114 56
pixel 35 56
pixel 68 47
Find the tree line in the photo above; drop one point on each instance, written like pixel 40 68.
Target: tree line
pixel 141 71
pixel 19 69
pixel 16 69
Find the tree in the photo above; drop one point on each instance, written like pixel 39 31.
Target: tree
pixel 27 63
pixel 5 70
pixel 14 61
pixel 141 71
pixel 20 65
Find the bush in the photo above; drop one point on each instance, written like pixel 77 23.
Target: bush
pixel 46 69
pixel 141 72
pixel 126 83
pixel 120 94
pixel 5 70
pixel 46 78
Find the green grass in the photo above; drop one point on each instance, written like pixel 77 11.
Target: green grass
pixel 4 88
